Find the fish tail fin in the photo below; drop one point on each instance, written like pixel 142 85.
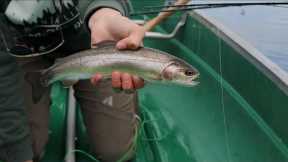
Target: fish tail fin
pixel 38 83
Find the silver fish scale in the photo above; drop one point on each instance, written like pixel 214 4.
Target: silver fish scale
pixel 143 52
pixel 109 53
pixel 116 59
pixel 142 61
pixel 109 60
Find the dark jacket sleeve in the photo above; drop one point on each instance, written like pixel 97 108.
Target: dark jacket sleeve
pixel 3 5
pixel 93 5
pixel 15 144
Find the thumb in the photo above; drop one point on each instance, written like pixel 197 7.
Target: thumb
pixel 99 35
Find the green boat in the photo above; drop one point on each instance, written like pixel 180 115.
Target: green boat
pixel 238 112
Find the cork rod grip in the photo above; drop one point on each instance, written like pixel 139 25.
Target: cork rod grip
pixel 163 15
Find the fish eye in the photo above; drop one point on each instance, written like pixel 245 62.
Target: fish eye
pixel 189 72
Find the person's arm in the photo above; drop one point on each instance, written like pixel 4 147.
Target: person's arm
pixel 3 5
pixel 120 5
pixel 15 143
pixel 108 22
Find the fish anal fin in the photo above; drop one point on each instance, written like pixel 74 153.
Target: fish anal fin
pixel 69 82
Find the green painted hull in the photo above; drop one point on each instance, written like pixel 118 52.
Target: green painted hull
pixel 236 114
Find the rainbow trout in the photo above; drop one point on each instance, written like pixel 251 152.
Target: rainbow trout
pixel 150 64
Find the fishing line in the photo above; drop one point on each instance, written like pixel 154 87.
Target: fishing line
pixel 122 159
pixel 135 141
pixel 82 152
pixel 157 138
pixel 227 145
pixel 222 98
pixel 145 122
pixel 138 133
pixel 199 36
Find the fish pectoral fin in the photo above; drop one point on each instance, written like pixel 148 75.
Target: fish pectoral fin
pixel 69 82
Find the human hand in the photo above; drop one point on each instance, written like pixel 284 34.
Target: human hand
pixel 109 24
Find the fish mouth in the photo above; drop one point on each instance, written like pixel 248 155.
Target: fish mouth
pixel 192 84
pixel 193 81
pixel 196 77
pixel 189 82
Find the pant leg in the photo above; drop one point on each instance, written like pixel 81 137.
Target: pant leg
pixel 108 116
pixel 15 143
pixel 38 114
pixel 110 119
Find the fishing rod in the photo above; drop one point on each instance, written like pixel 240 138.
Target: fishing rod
pixel 216 4
pixel 157 9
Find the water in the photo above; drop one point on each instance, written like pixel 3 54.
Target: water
pixel 264 27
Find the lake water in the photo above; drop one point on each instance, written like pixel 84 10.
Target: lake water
pixel 264 27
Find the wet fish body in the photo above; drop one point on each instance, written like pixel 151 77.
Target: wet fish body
pixel 150 64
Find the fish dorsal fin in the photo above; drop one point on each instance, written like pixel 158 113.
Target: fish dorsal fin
pixel 105 44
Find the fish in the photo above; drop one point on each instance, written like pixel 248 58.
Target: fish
pixel 152 65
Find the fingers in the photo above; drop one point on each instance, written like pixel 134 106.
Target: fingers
pixel 119 80
pixel 138 82
pixel 133 41
pixel 126 81
pixel 116 80
pixel 95 79
pixel 118 28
